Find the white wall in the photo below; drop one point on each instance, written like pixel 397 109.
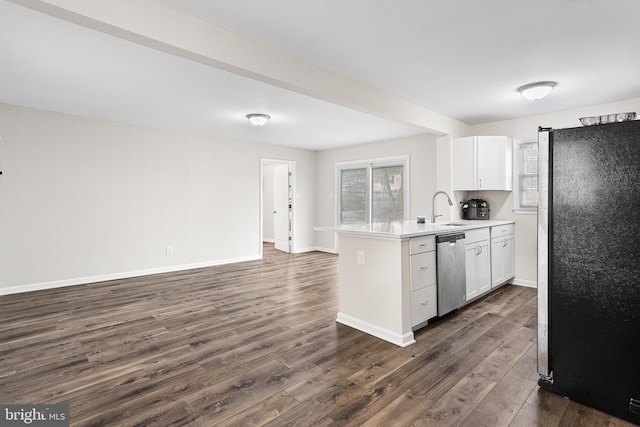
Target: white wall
pixel 422 154
pixel 501 203
pixel 444 180
pixel 84 200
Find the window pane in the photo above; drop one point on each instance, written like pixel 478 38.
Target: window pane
pixel 529 191
pixel 529 175
pixel 388 194
pixel 353 196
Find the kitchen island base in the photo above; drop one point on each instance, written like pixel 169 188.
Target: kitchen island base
pixel 374 287
pixel 387 275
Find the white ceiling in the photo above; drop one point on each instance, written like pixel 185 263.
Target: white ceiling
pixel 463 59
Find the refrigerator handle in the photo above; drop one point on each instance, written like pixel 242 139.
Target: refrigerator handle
pixel 544 146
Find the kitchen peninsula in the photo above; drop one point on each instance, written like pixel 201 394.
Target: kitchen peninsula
pixel 387 272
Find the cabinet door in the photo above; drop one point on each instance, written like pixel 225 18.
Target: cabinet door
pixel 464 163
pixel 509 255
pixel 497 262
pixel 472 273
pixel 482 163
pixel 423 270
pixel 502 259
pixel 478 264
pixel 418 245
pixel 495 163
pixel 424 305
pixel 484 267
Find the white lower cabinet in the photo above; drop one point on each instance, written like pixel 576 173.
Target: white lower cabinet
pixel 503 267
pixel 424 292
pixel 478 262
pixel 423 270
pixel 424 305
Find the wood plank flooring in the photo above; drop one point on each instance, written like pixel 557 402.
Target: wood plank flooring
pixel 256 344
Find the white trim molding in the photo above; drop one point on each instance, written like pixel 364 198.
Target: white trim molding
pixel 378 332
pixel 526 283
pixel 116 276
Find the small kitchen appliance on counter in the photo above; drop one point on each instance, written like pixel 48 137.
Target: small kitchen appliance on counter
pixel 475 209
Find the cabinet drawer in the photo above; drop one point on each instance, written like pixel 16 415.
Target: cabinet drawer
pixel 422 244
pixel 477 235
pixel 424 305
pixel 423 270
pixel 502 230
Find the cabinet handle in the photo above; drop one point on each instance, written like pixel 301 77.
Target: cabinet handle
pixel 424 267
pixel 424 303
pixel 504 243
pixel 480 186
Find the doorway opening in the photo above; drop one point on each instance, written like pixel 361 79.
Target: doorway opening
pixel 277 204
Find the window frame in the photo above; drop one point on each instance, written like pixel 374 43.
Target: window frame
pixel 518 208
pixel 370 164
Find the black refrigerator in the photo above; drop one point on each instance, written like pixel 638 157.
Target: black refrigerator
pixel 589 266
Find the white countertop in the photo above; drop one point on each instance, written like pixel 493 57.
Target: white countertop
pixel 405 229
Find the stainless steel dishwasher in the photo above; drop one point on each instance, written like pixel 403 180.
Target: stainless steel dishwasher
pixel 451 268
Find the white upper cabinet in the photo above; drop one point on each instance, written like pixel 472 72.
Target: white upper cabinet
pixel 483 163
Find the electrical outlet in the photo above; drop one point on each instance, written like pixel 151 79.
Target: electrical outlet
pixel 169 250
pixel 361 257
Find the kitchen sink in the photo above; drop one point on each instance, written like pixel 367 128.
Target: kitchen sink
pixel 454 223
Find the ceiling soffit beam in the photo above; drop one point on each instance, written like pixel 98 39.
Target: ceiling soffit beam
pixel 161 26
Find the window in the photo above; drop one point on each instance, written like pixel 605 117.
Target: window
pixel 353 196
pixel 372 191
pixel 526 196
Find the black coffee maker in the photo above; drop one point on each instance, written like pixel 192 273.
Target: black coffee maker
pixel 475 209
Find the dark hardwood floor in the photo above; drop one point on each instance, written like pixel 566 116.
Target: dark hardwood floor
pixel 256 343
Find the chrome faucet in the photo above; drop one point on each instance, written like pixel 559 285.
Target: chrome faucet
pixel 433 205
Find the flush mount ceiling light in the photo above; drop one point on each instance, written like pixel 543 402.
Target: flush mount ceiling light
pixel 258 119
pixel 535 91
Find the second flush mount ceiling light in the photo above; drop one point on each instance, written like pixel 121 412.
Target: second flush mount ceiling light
pixel 258 119
pixel 538 90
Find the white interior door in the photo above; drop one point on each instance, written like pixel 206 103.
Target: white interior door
pixel 282 208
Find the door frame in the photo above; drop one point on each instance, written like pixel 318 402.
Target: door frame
pixel 292 168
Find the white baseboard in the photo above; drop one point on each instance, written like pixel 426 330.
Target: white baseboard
pixel 115 276
pixel 303 250
pixel 327 250
pixel 315 248
pixel 385 334
pixel 527 283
